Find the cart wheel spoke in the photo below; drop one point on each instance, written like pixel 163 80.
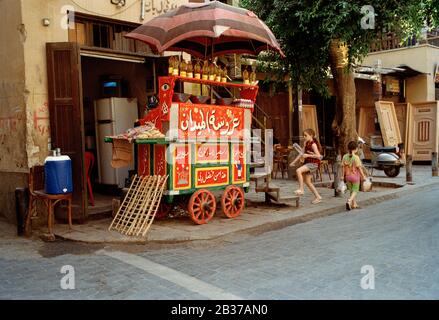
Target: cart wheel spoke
pixel 232 201
pixel 202 206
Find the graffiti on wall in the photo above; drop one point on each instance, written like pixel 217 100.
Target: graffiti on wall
pixel 11 114
pixel 12 122
pixel 41 119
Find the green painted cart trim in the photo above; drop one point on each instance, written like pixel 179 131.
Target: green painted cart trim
pixel 191 191
pixel 211 165
pixel 152 141
pixel 170 187
pixel 144 141
pixel 188 141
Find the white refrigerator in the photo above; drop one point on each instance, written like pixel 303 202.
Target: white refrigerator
pixel 113 116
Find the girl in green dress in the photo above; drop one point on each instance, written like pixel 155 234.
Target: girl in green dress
pixel 352 173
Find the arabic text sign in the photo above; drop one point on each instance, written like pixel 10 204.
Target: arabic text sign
pixel 210 152
pixel 160 160
pixel 182 167
pixel 206 121
pixel 143 160
pixel 211 177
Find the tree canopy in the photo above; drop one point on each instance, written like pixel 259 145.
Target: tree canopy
pixel 305 29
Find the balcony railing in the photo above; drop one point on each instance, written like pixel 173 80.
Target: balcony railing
pixel 390 41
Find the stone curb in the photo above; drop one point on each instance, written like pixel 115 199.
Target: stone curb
pixel 274 225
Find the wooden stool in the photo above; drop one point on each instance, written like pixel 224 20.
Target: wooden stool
pixel 36 191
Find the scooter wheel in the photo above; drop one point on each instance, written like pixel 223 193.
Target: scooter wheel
pixel 392 172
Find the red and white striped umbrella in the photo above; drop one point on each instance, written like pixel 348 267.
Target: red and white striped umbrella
pixel 207 29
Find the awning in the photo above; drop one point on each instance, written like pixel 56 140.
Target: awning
pixel 111 56
pixel 401 71
pixel 406 72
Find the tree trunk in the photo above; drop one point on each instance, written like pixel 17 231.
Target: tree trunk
pixel 344 124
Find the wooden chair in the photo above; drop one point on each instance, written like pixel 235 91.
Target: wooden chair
pixel 325 164
pixel 36 192
pixel 330 154
pixel 280 161
pixel 323 168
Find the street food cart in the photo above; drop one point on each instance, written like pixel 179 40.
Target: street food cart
pixel 206 148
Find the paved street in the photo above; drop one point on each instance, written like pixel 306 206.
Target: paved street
pixel 321 259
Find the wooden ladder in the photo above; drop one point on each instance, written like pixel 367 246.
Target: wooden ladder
pixel 138 209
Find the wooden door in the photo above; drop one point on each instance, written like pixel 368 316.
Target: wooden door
pixel 388 123
pixel 366 127
pixel 423 130
pixel 275 108
pixel 401 115
pixel 66 119
pixel 309 118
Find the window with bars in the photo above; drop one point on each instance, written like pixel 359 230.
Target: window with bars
pixel 105 33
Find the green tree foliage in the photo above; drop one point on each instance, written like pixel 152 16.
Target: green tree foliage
pixel 305 29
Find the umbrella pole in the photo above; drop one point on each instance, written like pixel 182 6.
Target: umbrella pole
pixel 211 89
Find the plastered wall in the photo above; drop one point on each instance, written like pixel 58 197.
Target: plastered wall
pixel 24 113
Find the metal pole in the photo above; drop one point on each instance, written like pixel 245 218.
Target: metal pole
pixel 290 114
pixel 142 10
pixel 434 170
pixel 409 177
pixel 337 175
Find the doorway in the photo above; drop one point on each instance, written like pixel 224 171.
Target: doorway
pixel 114 97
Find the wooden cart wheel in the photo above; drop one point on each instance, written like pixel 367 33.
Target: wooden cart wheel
pixel 232 201
pixel 202 206
pixel 163 210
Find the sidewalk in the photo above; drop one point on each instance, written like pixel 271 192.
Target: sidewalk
pixel 257 217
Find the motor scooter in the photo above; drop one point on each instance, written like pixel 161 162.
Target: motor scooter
pixel 389 159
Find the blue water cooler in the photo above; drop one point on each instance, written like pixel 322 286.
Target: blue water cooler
pixel 58 174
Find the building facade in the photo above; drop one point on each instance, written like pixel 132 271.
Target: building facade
pixel 90 32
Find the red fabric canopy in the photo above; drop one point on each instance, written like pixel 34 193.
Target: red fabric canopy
pixel 200 28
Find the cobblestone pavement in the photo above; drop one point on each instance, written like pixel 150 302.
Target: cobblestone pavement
pixel 321 259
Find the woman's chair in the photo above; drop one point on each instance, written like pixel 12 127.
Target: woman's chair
pixel 323 168
pixel 325 165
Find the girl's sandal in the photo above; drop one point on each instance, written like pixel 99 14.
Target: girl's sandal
pixel 348 206
pixel 315 201
pixel 298 193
